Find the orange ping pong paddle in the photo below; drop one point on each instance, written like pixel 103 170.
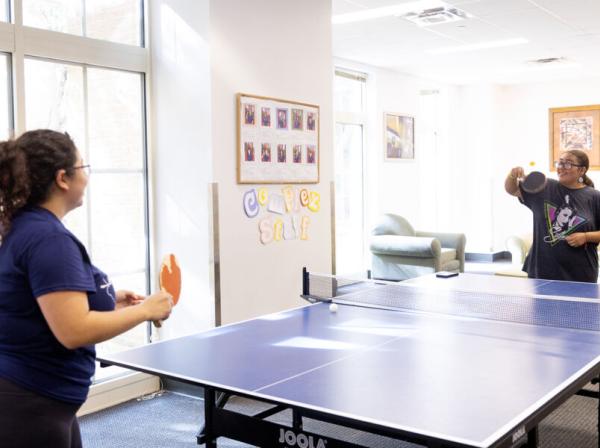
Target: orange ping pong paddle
pixel 169 280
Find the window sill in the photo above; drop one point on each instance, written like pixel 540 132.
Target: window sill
pixel 113 391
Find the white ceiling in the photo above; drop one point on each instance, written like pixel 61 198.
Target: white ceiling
pixel 568 29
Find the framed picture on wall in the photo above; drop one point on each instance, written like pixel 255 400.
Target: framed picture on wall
pixel 575 127
pixel 281 145
pixel 399 136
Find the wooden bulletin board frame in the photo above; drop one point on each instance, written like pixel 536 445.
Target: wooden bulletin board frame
pixel 277 141
pixel 575 127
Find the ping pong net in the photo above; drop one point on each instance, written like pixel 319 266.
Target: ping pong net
pixel 564 312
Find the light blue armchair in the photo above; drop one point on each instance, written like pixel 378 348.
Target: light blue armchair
pixel 399 252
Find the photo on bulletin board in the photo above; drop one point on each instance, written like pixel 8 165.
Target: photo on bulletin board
pixel 575 127
pixel 399 137
pixel 277 141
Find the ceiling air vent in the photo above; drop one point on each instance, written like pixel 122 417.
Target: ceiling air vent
pixel 435 16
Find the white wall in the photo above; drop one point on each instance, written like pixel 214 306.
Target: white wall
pixel 474 121
pixel 281 49
pixel 409 188
pixel 449 185
pixel 181 160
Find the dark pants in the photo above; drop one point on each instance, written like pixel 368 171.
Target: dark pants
pixel 28 419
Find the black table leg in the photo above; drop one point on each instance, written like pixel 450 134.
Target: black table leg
pixel 209 406
pixel 532 438
pixel 296 420
pixel 597 380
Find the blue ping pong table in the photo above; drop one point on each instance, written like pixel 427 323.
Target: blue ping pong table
pixel 468 361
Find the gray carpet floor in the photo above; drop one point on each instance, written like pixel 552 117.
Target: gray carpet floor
pixel 172 420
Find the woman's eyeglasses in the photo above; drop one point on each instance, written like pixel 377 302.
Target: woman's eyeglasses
pixel 565 164
pixel 86 168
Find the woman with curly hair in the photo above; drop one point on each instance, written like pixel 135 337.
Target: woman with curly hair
pixel 54 303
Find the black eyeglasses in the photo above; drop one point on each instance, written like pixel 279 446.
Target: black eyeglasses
pixel 565 164
pixel 86 168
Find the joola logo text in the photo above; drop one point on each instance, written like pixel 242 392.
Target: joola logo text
pixel 291 439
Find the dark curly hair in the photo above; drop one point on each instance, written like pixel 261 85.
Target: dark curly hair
pixel 28 167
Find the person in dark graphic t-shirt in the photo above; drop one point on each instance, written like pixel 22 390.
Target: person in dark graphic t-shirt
pixel 54 303
pixel 566 221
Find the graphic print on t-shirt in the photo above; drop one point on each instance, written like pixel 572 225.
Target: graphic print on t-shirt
pixel 561 220
pixel 108 287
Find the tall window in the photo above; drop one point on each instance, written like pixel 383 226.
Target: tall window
pixel 94 89
pixel 350 113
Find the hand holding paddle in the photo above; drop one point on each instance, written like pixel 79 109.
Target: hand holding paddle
pixel 169 280
pixel 532 183
pixel 158 306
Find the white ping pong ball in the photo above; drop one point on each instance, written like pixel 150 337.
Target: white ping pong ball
pixel 333 307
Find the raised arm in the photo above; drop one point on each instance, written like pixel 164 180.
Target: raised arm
pixel 511 184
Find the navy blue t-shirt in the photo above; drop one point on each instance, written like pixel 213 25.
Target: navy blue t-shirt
pixel 39 256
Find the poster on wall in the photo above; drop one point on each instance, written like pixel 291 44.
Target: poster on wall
pixel 277 141
pixel 399 137
pixel 285 211
pixel 575 127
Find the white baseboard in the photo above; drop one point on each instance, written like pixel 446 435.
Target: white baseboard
pixel 112 392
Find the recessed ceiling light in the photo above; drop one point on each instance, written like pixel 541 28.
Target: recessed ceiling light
pixel 536 66
pixel 550 64
pixel 479 46
pixel 387 11
pixel 547 60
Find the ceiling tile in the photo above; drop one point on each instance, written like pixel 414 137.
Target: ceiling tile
pixel 555 28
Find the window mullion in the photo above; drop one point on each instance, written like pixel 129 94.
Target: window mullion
pixel 17 12
pixel 350 118
pixel 18 68
pixel 86 132
pixel 83 19
pixel 7 39
pixel 83 50
pixel 144 20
